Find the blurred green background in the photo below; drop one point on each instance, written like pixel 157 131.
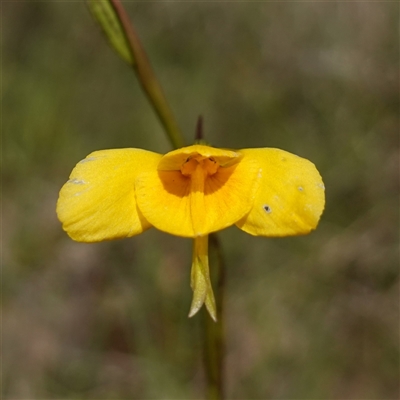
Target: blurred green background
pixel 313 317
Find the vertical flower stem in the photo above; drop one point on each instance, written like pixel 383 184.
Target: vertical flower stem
pixel 214 335
pixel 115 23
pixel 148 80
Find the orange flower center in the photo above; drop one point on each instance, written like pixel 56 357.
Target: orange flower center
pixel 198 162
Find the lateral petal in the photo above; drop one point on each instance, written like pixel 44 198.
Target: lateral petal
pixel 98 202
pixel 290 198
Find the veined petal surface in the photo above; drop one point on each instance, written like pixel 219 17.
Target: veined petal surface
pixel 98 202
pixel 290 198
pixel 193 206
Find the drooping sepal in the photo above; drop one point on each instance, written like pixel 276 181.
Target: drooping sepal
pixel 200 279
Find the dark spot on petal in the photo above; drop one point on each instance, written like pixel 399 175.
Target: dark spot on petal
pixel 266 208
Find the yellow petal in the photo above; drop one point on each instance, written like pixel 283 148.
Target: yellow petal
pixel 290 197
pixel 98 202
pixel 193 206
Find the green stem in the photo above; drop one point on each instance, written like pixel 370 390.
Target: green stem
pixel 148 80
pixel 214 337
pixel 115 23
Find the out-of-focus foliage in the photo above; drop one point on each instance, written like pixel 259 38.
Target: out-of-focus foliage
pixel 313 317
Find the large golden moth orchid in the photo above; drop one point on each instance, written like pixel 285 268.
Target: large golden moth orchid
pixel 191 192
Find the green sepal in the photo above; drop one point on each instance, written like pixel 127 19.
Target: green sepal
pixel 200 279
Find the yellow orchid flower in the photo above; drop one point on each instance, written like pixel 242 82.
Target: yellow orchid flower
pixel 191 192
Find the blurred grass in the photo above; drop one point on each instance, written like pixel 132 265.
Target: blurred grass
pixel 313 317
